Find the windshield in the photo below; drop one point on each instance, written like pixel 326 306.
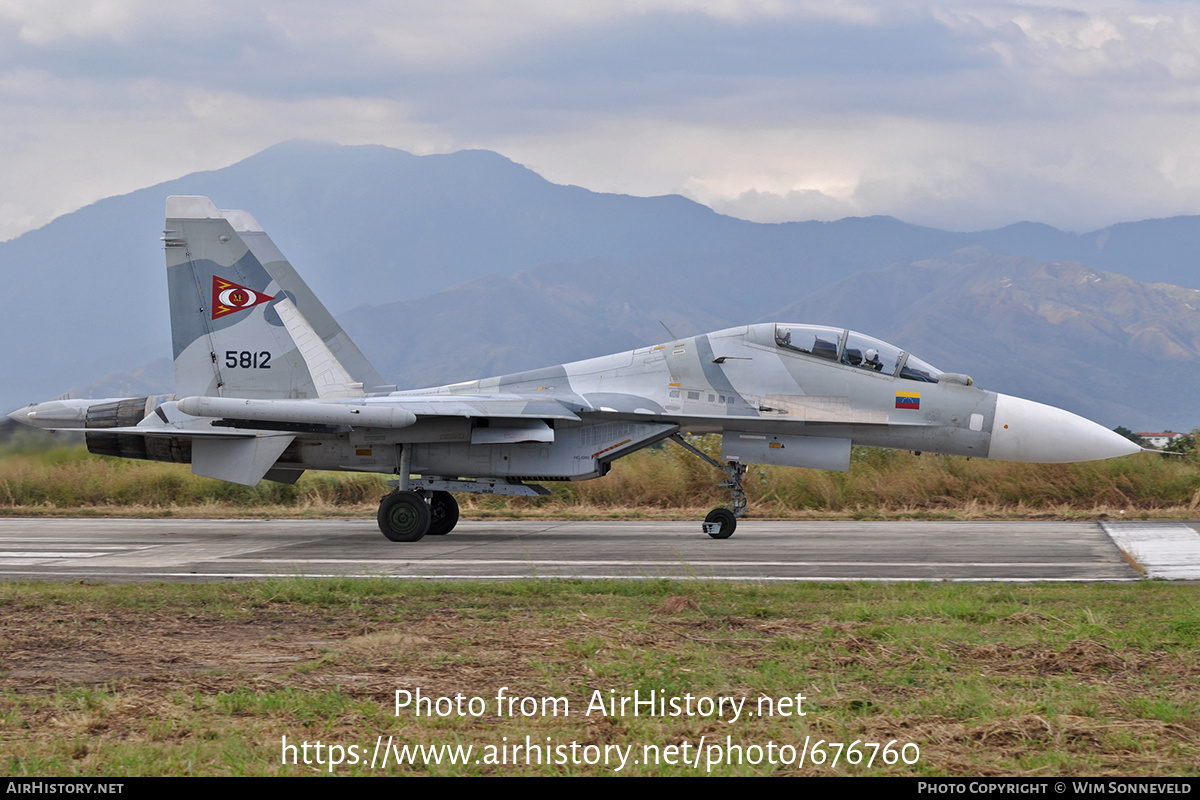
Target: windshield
pixel 855 350
pixel 917 370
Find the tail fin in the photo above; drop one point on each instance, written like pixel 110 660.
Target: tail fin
pixel 243 323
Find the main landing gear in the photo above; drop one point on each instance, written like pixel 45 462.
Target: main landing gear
pixel 407 516
pixel 721 522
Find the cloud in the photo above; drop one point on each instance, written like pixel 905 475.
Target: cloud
pixel 952 114
pixel 803 204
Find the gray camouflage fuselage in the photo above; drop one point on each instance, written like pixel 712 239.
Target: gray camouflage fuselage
pixel 269 385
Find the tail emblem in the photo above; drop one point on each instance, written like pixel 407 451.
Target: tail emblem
pixel 229 297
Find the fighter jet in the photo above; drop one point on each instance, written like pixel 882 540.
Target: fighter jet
pixel 268 385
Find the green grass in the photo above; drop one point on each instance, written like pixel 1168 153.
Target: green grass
pixel 985 680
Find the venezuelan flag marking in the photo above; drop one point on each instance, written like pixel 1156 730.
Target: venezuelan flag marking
pixel 908 400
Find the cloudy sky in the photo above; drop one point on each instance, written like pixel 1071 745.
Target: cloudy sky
pixel 957 115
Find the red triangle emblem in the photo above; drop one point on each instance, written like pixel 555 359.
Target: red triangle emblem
pixel 228 297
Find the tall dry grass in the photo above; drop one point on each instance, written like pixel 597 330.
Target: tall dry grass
pixel 888 481
pixel 660 481
pixel 72 479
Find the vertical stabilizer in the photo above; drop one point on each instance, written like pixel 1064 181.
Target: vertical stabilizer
pixel 243 322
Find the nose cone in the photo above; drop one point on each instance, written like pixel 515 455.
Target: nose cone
pixel 1027 431
pixel 22 415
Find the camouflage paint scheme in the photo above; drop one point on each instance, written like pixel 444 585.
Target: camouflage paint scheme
pixel 269 385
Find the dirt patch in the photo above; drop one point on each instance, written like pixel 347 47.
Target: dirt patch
pixel 40 653
pixel 1081 658
pixel 674 605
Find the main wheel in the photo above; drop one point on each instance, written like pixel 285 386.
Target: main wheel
pixel 403 516
pixel 443 513
pixel 723 520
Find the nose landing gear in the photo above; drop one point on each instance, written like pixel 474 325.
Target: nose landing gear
pixel 721 522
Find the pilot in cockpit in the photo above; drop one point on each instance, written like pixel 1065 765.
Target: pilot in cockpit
pixel 871 360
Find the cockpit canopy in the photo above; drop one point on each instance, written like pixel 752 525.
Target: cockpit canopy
pixel 854 350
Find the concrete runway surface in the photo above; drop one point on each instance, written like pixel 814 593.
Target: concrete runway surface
pixel 122 550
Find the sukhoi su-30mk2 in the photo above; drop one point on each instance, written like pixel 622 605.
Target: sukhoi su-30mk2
pixel 268 385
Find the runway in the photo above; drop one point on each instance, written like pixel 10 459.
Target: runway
pixel 124 550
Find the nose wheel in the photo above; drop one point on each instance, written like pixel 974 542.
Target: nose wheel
pixel 721 522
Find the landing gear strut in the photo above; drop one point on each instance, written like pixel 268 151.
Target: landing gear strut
pixel 721 522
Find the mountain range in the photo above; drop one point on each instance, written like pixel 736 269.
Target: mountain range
pixel 455 266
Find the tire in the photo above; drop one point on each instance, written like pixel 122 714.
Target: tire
pixel 403 517
pixel 443 513
pixel 725 519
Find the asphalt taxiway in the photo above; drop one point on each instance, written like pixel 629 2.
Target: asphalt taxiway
pixel 214 550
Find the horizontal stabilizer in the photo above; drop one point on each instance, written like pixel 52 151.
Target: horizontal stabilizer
pixel 161 431
pixel 243 461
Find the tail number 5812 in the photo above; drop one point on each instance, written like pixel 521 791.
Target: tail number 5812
pixel 248 359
